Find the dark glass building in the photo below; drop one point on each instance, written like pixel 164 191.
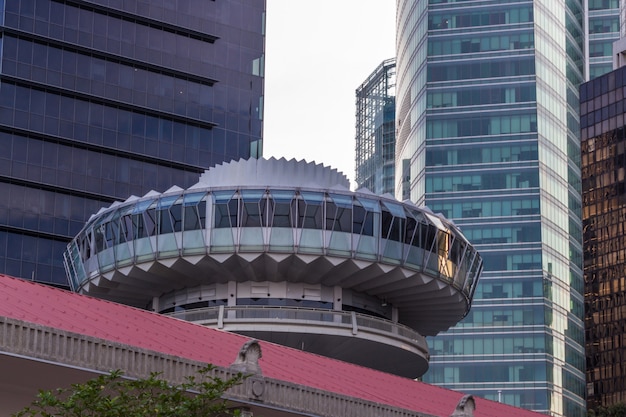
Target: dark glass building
pixel 603 150
pixel 104 99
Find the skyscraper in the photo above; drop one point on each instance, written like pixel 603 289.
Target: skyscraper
pixel 376 130
pixel 103 99
pixel 487 120
pixel 603 145
pixel 603 27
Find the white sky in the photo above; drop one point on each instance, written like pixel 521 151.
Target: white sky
pixel 317 54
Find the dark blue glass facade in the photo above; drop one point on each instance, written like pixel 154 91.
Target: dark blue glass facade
pixel 100 100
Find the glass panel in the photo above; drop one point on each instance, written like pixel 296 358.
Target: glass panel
pixel 395 209
pixel 167 245
pixel 165 222
pixel 252 195
pixel 283 215
pixel 340 243
pixel 226 209
pixel 192 198
pixel 123 254
pixel 222 240
pixel 192 218
pixel 436 221
pixel 367 248
pixel 393 252
pixel 310 215
pixel 143 249
pixel 342 200
pixel 281 239
pixel 251 214
pixel 126 209
pixel 411 231
pixel 392 227
pixel 142 206
pixel 193 242
pixel 310 197
pixel 139 229
pixel 415 257
pixel 311 241
pixel 358 218
pixel 251 239
pixel 165 202
pixel 331 214
pixel 223 196
pixel 150 220
pixel 370 205
pixel 126 228
pixel 282 196
pixel 106 260
pixel 177 217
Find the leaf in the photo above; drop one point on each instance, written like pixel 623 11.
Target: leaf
pixel 113 395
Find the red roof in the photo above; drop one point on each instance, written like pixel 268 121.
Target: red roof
pixel 40 304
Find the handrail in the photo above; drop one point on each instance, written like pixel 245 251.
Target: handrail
pixel 222 315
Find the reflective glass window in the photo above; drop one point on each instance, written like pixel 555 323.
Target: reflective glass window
pixel 395 209
pixel 150 220
pixel 283 209
pixel 361 221
pixel 226 209
pixel 310 210
pixel 254 208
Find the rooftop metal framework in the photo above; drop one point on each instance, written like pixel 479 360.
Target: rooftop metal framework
pixel 375 130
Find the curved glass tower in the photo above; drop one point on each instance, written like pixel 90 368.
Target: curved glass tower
pixel 488 135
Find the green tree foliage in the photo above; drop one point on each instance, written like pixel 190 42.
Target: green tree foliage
pixel 111 395
pixel 615 410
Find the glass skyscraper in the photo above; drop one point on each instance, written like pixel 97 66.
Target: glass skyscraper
pixel 103 99
pixel 488 134
pixel 376 130
pixel 603 135
pixel 603 19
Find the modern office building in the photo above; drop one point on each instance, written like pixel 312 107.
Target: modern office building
pixel 283 251
pixel 487 120
pixel 376 130
pixel 603 28
pixel 603 142
pixel 102 99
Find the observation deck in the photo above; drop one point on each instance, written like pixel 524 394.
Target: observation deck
pixel 284 251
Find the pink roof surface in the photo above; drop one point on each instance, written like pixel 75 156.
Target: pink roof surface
pixel 40 304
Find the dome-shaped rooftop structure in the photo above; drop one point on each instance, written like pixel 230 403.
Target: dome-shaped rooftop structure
pixel 284 251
